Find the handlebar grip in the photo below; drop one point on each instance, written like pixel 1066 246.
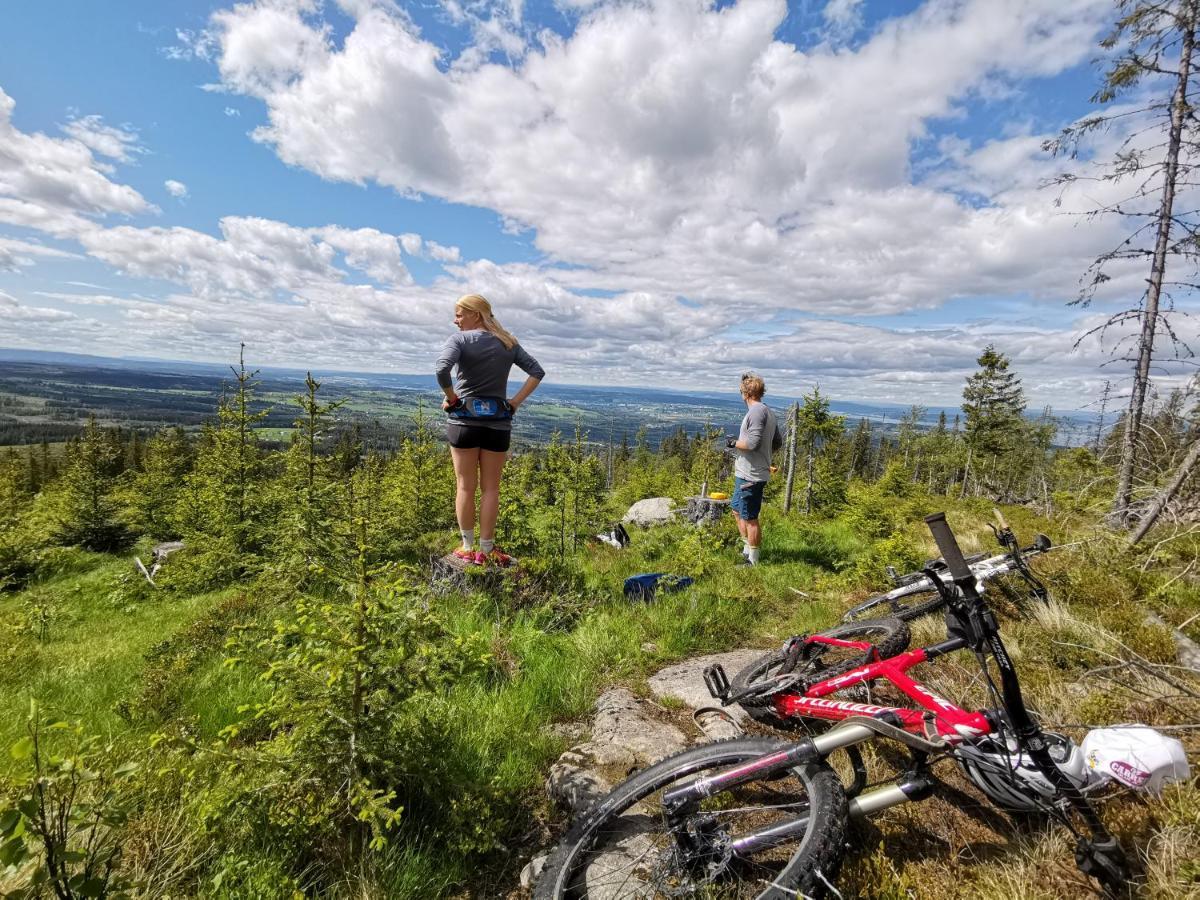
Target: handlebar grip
pixel 1000 517
pixel 940 528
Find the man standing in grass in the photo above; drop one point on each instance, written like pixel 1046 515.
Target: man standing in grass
pixel 758 438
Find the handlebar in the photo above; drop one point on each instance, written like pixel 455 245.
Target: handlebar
pixel 969 618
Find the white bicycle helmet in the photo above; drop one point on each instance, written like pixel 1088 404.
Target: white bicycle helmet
pixel 1010 778
pixel 1136 756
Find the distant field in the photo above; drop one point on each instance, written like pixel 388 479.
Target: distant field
pixel 52 401
pixel 43 401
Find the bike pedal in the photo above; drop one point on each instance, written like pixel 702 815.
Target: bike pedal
pixel 717 682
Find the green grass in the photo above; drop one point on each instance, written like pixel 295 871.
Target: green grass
pixel 159 659
pixel 93 655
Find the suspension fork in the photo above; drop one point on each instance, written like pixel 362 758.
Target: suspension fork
pixel 1101 857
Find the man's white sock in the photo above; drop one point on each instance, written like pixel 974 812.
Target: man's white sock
pixel 468 538
pixel 752 555
pixel 486 544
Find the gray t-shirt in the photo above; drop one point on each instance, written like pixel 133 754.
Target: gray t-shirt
pixel 483 364
pixel 761 434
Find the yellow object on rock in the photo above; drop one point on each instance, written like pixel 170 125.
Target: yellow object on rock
pixel 718 495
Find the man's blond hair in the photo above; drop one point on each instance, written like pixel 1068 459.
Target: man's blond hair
pixel 753 386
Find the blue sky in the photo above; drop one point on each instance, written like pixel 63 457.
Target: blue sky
pixel 667 193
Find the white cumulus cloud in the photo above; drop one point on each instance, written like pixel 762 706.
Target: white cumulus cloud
pixel 176 189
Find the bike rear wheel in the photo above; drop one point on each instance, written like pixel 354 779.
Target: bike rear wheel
pixel 889 637
pixel 625 848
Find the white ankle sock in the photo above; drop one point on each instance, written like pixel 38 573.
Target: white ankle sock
pixel 752 555
pixel 468 539
pixel 486 545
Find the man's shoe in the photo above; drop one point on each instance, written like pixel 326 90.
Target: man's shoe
pixel 746 561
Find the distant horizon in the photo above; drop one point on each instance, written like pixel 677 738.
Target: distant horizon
pixel 724 397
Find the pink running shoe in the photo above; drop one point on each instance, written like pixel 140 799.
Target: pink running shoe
pixel 500 558
pixel 473 557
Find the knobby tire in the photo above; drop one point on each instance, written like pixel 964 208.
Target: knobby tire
pixel 624 848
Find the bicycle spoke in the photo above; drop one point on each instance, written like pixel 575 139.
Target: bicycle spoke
pixel 637 857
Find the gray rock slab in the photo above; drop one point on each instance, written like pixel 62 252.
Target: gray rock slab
pixel 1186 649
pixel 574 787
pixel 685 681
pixel 624 721
pixel 533 871
pixel 651 511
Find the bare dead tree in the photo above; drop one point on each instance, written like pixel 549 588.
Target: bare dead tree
pixel 1153 43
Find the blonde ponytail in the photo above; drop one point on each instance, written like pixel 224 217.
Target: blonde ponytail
pixel 476 303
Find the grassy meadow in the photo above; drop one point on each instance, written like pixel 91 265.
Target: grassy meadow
pixel 146 671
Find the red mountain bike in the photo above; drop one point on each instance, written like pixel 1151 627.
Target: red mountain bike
pixel 766 818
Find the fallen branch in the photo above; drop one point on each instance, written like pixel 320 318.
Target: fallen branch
pixel 1168 493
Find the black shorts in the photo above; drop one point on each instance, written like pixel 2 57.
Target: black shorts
pixel 470 437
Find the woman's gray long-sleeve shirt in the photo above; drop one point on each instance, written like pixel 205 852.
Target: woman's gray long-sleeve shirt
pixel 483 364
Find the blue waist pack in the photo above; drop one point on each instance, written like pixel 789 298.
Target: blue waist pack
pixel 476 408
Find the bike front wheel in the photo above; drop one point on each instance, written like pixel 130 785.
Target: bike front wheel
pixel 772 839
pixel 906 608
pixel 817 662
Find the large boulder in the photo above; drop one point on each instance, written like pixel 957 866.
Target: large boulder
pixel 651 511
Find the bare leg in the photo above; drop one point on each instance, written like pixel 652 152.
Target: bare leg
pixel 466 471
pixel 741 525
pixel 752 533
pixel 491 467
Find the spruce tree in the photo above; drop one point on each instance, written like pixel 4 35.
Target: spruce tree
pixel 85 504
pixel 153 493
pixel 1153 70
pixel 817 424
pixel 993 402
pixel 225 507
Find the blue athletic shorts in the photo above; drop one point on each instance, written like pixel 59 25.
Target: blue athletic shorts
pixel 747 498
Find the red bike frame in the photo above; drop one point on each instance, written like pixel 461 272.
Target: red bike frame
pixel 938 715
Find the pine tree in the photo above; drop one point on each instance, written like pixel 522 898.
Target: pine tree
pixel 993 402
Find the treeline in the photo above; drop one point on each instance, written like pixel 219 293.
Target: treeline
pixel 233 497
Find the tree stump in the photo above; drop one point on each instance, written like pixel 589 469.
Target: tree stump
pixel 705 509
pixel 449 573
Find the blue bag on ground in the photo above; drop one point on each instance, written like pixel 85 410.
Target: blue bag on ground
pixel 643 587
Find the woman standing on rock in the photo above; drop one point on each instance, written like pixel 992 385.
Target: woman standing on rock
pixel 480 417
